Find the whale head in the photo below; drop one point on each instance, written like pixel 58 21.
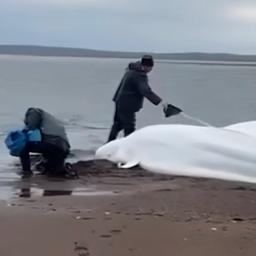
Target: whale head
pixel 116 152
pixel 110 151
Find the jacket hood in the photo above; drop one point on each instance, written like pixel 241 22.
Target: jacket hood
pixel 136 66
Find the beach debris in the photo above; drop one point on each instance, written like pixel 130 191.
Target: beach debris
pixel 192 218
pixel 106 236
pixel 78 217
pixel 150 212
pixel 87 218
pixel 30 201
pixel 76 211
pixel 235 220
pixel 159 214
pixel 239 188
pixel 224 228
pixel 165 190
pixel 214 229
pixel 107 213
pixel 188 219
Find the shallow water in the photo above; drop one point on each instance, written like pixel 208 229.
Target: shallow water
pixel 79 91
pixel 41 186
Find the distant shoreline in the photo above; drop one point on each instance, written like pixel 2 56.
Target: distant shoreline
pixel 176 58
pixel 161 61
pixel 210 63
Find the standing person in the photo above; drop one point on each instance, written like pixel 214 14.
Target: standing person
pixel 130 95
pixel 46 135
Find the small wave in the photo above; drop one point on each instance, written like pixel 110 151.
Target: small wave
pixel 81 155
pixel 77 121
pixel 76 152
pixel 85 127
pixel 93 127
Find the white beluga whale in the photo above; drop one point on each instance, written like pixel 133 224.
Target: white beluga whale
pixel 227 153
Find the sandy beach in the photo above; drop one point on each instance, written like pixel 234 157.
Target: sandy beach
pixel 128 212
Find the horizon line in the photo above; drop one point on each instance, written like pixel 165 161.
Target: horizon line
pixel 125 51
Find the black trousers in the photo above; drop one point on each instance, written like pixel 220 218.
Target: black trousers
pixel 123 120
pixel 54 156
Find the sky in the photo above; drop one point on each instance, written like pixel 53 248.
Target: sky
pixel 132 25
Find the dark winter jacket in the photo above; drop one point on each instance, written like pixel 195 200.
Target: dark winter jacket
pixel 53 131
pixel 133 89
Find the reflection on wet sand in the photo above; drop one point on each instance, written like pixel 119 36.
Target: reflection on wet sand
pixel 37 192
pixel 26 192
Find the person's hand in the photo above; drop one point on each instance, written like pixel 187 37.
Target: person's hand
pixel 165 105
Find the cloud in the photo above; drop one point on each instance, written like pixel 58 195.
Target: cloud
pixel 162 26
pixel 60 2
pixel 244 13
pixel 64 3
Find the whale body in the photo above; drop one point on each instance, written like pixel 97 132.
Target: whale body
pixel 227 153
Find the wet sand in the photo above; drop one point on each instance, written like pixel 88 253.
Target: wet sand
pixel 133 213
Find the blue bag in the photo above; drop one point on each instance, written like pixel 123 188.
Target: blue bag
pixel 34 135
pixel 16 142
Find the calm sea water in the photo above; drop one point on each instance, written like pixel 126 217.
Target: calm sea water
pixel 79 91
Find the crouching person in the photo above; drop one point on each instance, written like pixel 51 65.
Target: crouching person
pixel 45 135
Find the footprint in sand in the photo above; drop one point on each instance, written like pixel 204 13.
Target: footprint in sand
pixel 106 236
pixel 81 250
pixel 116 231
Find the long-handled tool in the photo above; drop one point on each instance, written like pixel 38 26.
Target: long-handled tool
pixel 171 110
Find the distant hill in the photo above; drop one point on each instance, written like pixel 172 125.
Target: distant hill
pixel 78 52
